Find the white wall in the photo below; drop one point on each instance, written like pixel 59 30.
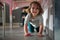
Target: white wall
pixel 45 16
pixel 51 22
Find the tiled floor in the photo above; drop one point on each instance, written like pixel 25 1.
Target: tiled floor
pixel 18 34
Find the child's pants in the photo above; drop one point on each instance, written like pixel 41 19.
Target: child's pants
pixel 31 28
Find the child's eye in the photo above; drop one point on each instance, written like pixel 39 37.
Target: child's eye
pixel 37 8
pixel 32 8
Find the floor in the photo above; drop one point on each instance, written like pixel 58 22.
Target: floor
pixel 18 34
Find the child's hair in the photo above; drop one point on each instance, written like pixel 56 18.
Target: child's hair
pixel 39 7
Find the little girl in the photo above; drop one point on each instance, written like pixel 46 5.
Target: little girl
pixel 34 19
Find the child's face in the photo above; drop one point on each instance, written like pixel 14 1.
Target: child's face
pixel 34 9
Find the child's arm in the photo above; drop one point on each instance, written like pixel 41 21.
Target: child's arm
pixel 25 29
pixel 40 28
pixel 26 25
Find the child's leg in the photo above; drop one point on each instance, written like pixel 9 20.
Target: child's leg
pixel 37 29
pixel 30 28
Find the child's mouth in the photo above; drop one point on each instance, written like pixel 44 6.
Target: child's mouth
pixel 34 12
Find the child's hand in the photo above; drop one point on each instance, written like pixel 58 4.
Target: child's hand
pixel 40 35
pixel 27 34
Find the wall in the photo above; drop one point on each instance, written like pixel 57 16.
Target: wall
pixel 0 14
pixel 57 20
pixel 51 16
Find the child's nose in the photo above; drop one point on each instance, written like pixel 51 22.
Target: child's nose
pixel 35 9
